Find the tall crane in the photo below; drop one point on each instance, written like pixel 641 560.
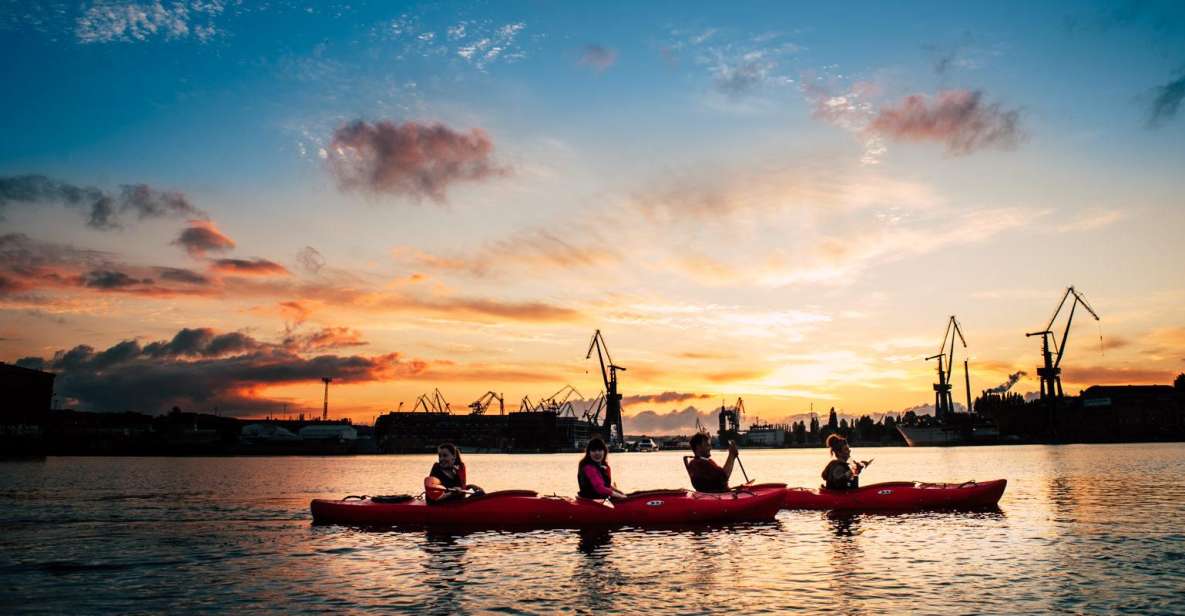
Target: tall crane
pixel 482 404
pixel 612 427
pixel 943 402
pixel 1050 372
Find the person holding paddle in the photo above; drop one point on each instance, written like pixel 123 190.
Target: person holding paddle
pixel 447 481
pixel 841 473
pixel 706 475
pixel 594 475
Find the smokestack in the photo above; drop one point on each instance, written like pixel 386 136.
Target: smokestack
pixel 325 406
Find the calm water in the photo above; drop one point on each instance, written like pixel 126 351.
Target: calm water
pixel 1090 528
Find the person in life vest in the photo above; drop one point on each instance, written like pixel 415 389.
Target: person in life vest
pixel 841 473
pixel 706 475
pixel 594 475
pixel 447 480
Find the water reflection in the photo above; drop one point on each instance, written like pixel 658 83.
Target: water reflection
pixel 596 576
pixel 444 572
pixel 847 557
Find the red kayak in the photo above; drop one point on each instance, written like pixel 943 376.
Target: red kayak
pixel 900 496
pixel 525 509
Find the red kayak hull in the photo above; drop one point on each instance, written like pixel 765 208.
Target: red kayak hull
pixel 900 496
pixel 522 509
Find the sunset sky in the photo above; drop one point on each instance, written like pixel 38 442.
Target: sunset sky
pixel 212 204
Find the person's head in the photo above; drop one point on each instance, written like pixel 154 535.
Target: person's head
pixel 596 451
pixel 448 456
pixel 839 447
pixel 701 445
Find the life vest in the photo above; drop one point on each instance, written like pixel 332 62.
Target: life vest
pixel 586 487
pixel 707 476
pixel 438 481
pixel 831 483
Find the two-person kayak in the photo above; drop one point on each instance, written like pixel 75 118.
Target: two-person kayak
pixel 526 509
pixel 899 496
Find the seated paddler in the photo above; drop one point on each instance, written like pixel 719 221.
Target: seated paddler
pixel 705 474
pixel 841 473
pixel 447 481
pixel 594 475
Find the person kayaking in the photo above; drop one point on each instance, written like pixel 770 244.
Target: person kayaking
pixel 447 480
pixel 841 473
pixel 594 475
pixel 706 475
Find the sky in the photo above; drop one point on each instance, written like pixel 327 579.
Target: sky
pixel 213 204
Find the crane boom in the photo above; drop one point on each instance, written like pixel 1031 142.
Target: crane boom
pixel 1050 370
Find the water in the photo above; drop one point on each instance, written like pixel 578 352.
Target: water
pixel 1082 528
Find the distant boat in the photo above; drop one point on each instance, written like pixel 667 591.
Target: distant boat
pixel 948 435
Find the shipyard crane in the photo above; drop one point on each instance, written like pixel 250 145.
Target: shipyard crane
pixel 730 421
pixel 612 427
pixel 1050 372
pixel 592 414
pixel 943 402
pixel 482 404
pixel 556 401
pixel 432 403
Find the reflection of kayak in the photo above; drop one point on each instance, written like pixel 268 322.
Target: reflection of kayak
pixel 524 509
pixel 900 496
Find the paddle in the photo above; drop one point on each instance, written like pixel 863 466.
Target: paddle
pixel 733 447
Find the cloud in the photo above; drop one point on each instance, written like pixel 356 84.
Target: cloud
pixel 181 275
pixel 107 21
pixel 28 265
pixel 597 57
pixel 310 260
pixel 1106 375
pixel 670 422
pixel 743 75
pixel 410 159
pixel 109 279
pixel 325 338
pixel 103 208
pixel 201 237
pixel 1091 220
pixel 250 267
pixel 535 250
pixel 957 118
pixel 477 43
pixel 662 398
pixel 202 369
pixel 483 50
pixel 1166 101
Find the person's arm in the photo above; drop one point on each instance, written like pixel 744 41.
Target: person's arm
pixel 598 482
pixel 732 458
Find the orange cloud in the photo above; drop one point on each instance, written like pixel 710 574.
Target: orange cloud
pixel 201 237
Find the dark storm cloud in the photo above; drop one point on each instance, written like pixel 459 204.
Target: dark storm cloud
pixel 200 369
